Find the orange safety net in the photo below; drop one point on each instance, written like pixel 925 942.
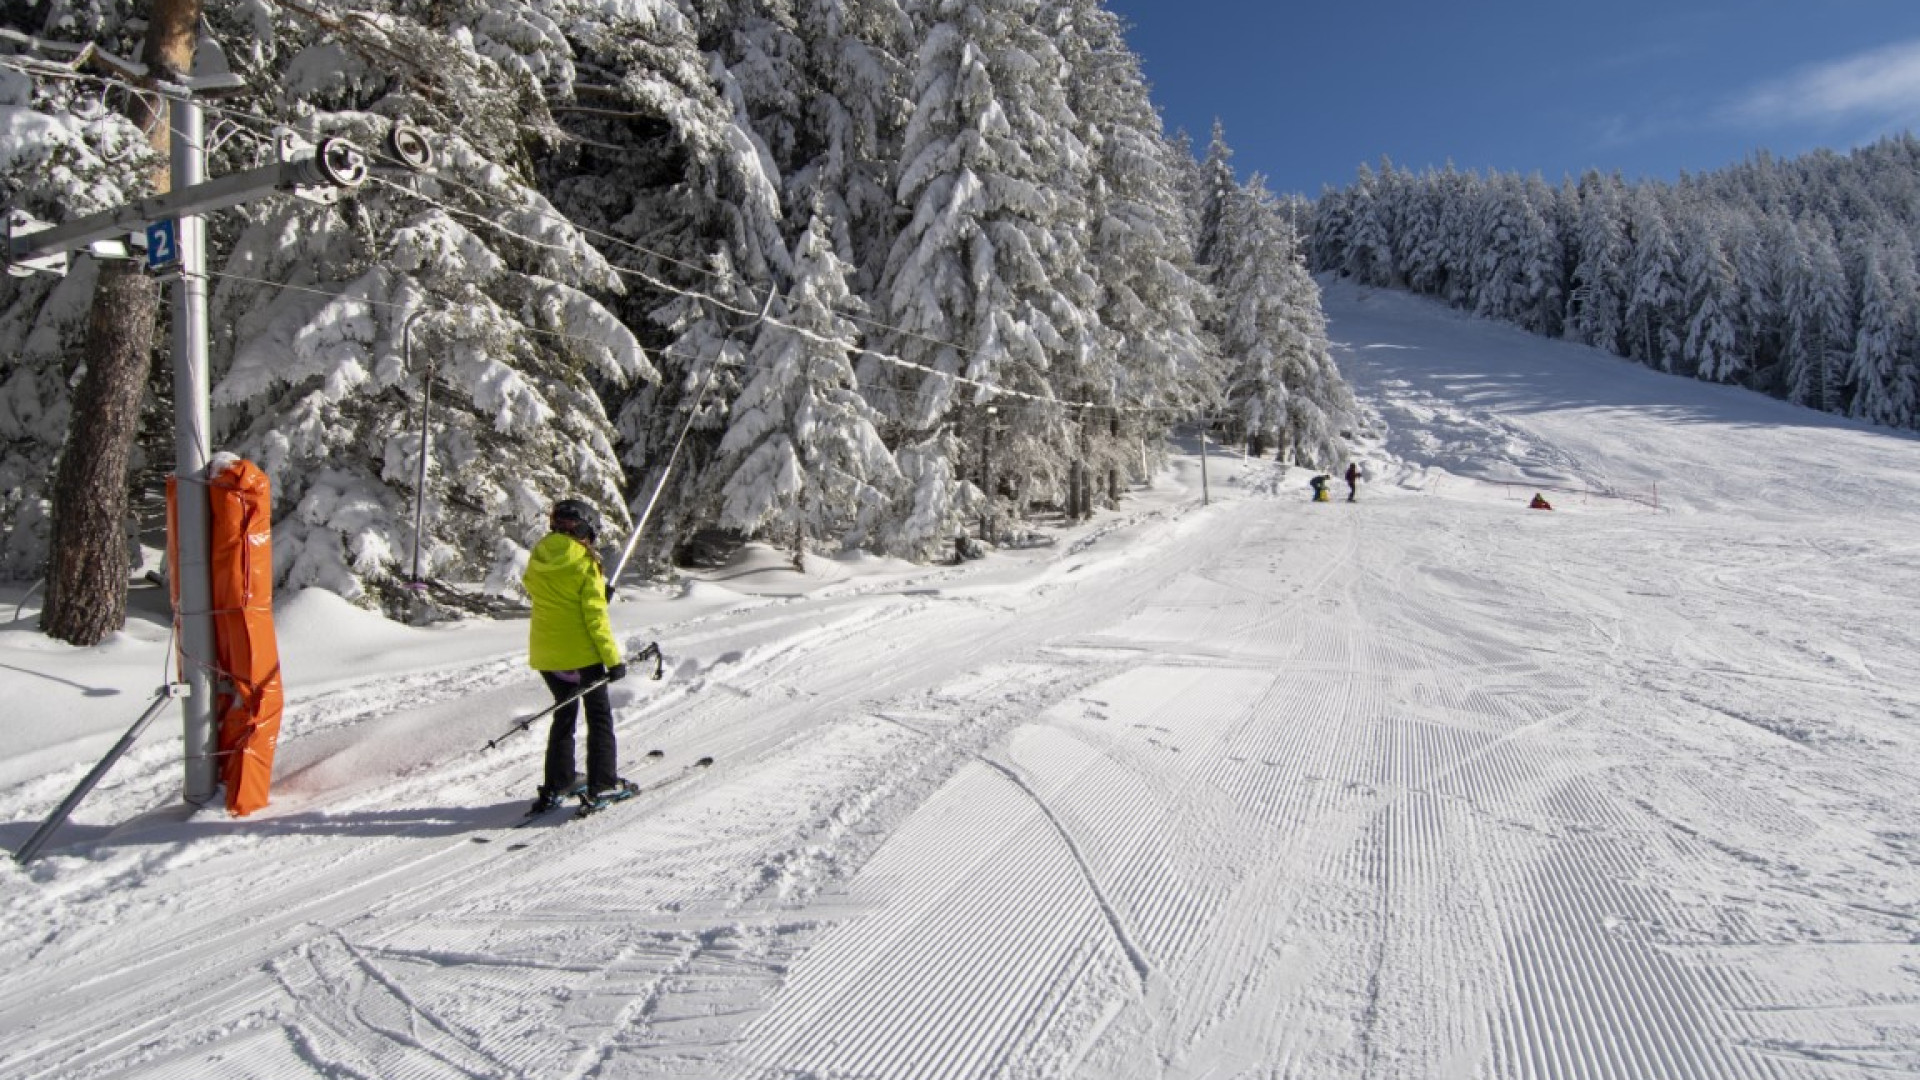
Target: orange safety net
pixel 248 701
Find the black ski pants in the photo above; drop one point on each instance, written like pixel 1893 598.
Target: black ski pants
pixel 603 756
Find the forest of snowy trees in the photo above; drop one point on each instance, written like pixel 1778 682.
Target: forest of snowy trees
pixel 887 268
pixel 1794 278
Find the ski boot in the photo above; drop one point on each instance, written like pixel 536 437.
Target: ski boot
pixel 550 799
pixel 592 802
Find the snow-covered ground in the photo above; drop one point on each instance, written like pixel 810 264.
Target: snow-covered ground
pixel 1427 786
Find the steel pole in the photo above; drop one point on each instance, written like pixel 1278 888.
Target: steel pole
pixel 29 850
pixel 1206 488
pixel 986 472
pixel 426 412
pixel 192 442
pixel 641 526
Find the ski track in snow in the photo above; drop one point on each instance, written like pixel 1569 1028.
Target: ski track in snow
pixel 1427 787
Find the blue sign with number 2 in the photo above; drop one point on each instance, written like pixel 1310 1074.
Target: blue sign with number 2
pixel 162 247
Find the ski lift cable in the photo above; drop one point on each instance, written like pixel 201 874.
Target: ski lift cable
pixel 669 353
pixel 688 293
pixel 763 317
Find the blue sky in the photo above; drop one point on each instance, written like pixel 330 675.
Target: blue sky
pixel 1647 88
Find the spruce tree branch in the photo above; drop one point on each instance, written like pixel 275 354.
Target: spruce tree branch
pixel 362 34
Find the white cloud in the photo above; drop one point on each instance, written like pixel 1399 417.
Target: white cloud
pixel 1883 84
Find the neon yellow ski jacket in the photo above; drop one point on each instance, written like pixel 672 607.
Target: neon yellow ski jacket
pixel 570 628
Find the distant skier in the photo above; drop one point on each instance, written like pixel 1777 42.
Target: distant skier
pixel 571 644
pixel 1539 502
pixel 1353 480
pixel 1320 493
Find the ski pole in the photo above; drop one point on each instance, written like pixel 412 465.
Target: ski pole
pixel 659 662
pixel 659 669
pixel 527 722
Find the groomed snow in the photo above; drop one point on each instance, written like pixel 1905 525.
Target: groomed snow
pixel 1427 786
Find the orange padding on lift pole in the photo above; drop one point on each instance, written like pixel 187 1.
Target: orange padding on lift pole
pixel 248 700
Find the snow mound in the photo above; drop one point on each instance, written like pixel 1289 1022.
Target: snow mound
pixel 762 570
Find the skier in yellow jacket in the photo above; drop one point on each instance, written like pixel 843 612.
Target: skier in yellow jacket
pixel 571 645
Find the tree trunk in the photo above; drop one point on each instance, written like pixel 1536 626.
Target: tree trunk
pixel 88 566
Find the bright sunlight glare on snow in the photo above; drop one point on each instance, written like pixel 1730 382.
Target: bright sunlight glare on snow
pixel 1224 783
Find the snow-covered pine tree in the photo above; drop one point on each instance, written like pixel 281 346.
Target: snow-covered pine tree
pixel 757 58
pixel 854 114
pixel 1819 311
pixel 1423 244
pixel 1902 406
pixel 1712 349
pixel 1150 303
pixel 658 153
pixel 1460 236
pixel 1903 392
pixel 1187 183
pixel 1369 256
pixel 822 84
pixel 1321 411
pixel 1546 263
pixel 1274 339
pixel 802 460
pixel 1760 264
pixel 1874 376
pixel 1653 269
pixel 1216 185
pixel 1412 225
pixel 1596 310
pixel 987 280
pixel 1517 268
pixel 313 304
pixel 1328 229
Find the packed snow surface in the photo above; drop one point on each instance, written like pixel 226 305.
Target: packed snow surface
pixel 1428 785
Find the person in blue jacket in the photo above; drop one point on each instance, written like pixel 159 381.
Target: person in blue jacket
pixel 571 644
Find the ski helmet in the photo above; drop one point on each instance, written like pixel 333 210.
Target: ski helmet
pixel 576 518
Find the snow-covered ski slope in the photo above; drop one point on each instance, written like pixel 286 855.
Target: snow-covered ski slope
pixel 1427 786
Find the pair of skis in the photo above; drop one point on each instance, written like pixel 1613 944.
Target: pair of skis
pixel 586 807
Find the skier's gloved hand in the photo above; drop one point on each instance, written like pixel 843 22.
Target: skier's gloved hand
pixel 609 592
pixel 616 673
